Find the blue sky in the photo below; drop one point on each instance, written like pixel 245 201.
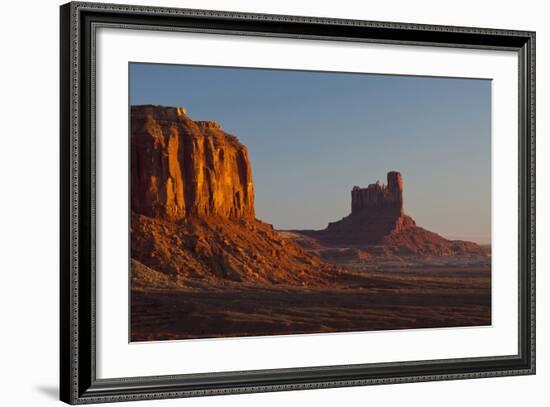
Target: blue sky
pixel 312 136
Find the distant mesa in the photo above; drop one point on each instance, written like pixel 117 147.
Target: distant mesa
pixel 378 224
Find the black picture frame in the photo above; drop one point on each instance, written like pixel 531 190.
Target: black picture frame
pixel 78 382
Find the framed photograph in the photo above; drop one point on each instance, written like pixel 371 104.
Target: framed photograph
pixel 255 203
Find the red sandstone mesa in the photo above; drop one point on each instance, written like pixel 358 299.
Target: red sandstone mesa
pixel 385 200
pixel 192 202
pixel 183 167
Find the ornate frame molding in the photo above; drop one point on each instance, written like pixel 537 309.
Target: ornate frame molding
pixel 78 380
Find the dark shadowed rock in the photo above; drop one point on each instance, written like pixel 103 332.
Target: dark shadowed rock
pixel 382 200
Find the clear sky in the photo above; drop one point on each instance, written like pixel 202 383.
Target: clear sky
pixel 312 136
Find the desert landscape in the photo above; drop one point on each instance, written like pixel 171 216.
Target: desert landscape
pixel 203 265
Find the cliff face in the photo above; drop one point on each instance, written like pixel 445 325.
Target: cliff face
pixel 376 212
pixel 183 168
pixel 193 220
pixel 382 200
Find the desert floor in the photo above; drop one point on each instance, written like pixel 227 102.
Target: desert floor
pixel 374 300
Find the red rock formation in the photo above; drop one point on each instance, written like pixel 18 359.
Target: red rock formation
pixel 380 199
pixel 377 219
pixel 181 167
pixel 376 212
pixel 192 202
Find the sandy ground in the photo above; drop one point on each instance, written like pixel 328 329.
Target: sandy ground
pixel 374 300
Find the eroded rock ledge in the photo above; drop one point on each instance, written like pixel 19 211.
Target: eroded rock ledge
pixel 181 167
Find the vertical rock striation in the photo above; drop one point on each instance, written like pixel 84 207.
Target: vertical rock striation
pixel 189 170
pixel 384 200
pixel 376 212
pixel 183 168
